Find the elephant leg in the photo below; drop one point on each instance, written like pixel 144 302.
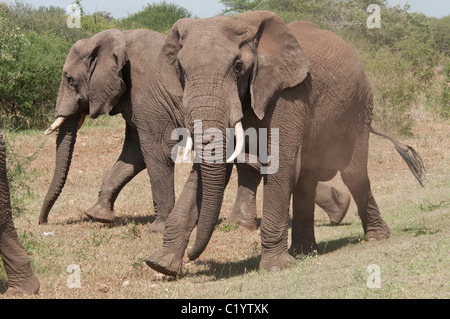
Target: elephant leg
pixel 356 179
pixel 163 191
pixel 303 239
pixel 244 210
pixel 181 221
pixel 128 165
pixel 16 261
pixel 21 279
pixel 333 202
pixel 274 222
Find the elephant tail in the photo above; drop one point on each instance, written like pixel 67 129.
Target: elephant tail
pixel 409 155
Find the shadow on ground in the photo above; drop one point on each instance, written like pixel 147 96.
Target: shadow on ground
pixel 120 221
pixel 326 247
pixel 222 270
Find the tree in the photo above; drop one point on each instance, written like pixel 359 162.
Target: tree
pixel 157 17
pixel 11 42
pixel 239 6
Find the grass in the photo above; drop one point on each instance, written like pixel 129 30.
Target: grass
pixel 414 261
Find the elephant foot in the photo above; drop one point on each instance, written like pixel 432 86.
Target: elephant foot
pixel 167 264
pixel 156 227
pixel 277 262
pixel 101 214
pixel 242 221
pixel 23 286
pixel 381 231
pixel 21 279
pixel 339 211
pixel 303 248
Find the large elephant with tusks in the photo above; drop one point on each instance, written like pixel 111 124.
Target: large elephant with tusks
pixel 253 70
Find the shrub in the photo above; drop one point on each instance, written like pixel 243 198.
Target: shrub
pixel 37 42
pixel 158 17
pixel 407 59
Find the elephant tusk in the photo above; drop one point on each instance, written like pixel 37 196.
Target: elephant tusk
pixel 187 149
pixel 58 122
pixel 81 120
pixel 239 132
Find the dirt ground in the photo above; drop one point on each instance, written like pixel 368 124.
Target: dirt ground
pixel 110 258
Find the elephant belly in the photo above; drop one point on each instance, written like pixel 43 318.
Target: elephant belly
pixel 329 150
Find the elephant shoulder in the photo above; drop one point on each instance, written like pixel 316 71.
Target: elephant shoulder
pixel 322 46
pixel 310 35
pixel 143 46
pixel 144 38
pixel 303 26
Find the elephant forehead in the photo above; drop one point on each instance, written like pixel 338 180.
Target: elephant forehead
pixel 227 31
pixel 230 26
pixel 207 51
pixel 74 61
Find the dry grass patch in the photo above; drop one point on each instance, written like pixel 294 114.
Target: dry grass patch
pixel 414 262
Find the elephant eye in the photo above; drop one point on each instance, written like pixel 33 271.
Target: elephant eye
pixel 238 66
pixel 181 74
pixel 180 69
pixel 70 80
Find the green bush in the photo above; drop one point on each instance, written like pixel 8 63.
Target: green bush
pixel 158 17
pixel 38 41
pixel 407 59
pixel 440 29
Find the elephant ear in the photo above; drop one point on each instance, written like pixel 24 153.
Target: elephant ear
pixel 168 58
pixel 280 61
pixel 107 57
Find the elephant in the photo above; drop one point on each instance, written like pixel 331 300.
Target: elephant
pixel 335 203
pixel 111 72
pixel 252 70
pixel 21 278
pixel 115 72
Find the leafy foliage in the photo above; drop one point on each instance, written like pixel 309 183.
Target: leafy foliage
pixel 240 6
pixel 407 59
pixel 158 17
pixel 37 43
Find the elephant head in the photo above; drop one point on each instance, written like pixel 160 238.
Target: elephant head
pixel 220 66
pixel 91 83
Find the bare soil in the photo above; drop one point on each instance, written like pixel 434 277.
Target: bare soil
pixel 414 262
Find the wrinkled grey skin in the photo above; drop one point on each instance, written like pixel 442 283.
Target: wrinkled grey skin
pixel 115 72
pixel 112 73
pixel 21 279
pixel 305 82
pixel 333 202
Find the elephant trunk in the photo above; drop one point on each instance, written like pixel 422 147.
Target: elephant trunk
pixel 213 106
pixel 210 146
pixel 65 143
pixel 213 179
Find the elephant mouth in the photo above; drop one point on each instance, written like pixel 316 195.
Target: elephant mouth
pixel 239 146
pixel 60 120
